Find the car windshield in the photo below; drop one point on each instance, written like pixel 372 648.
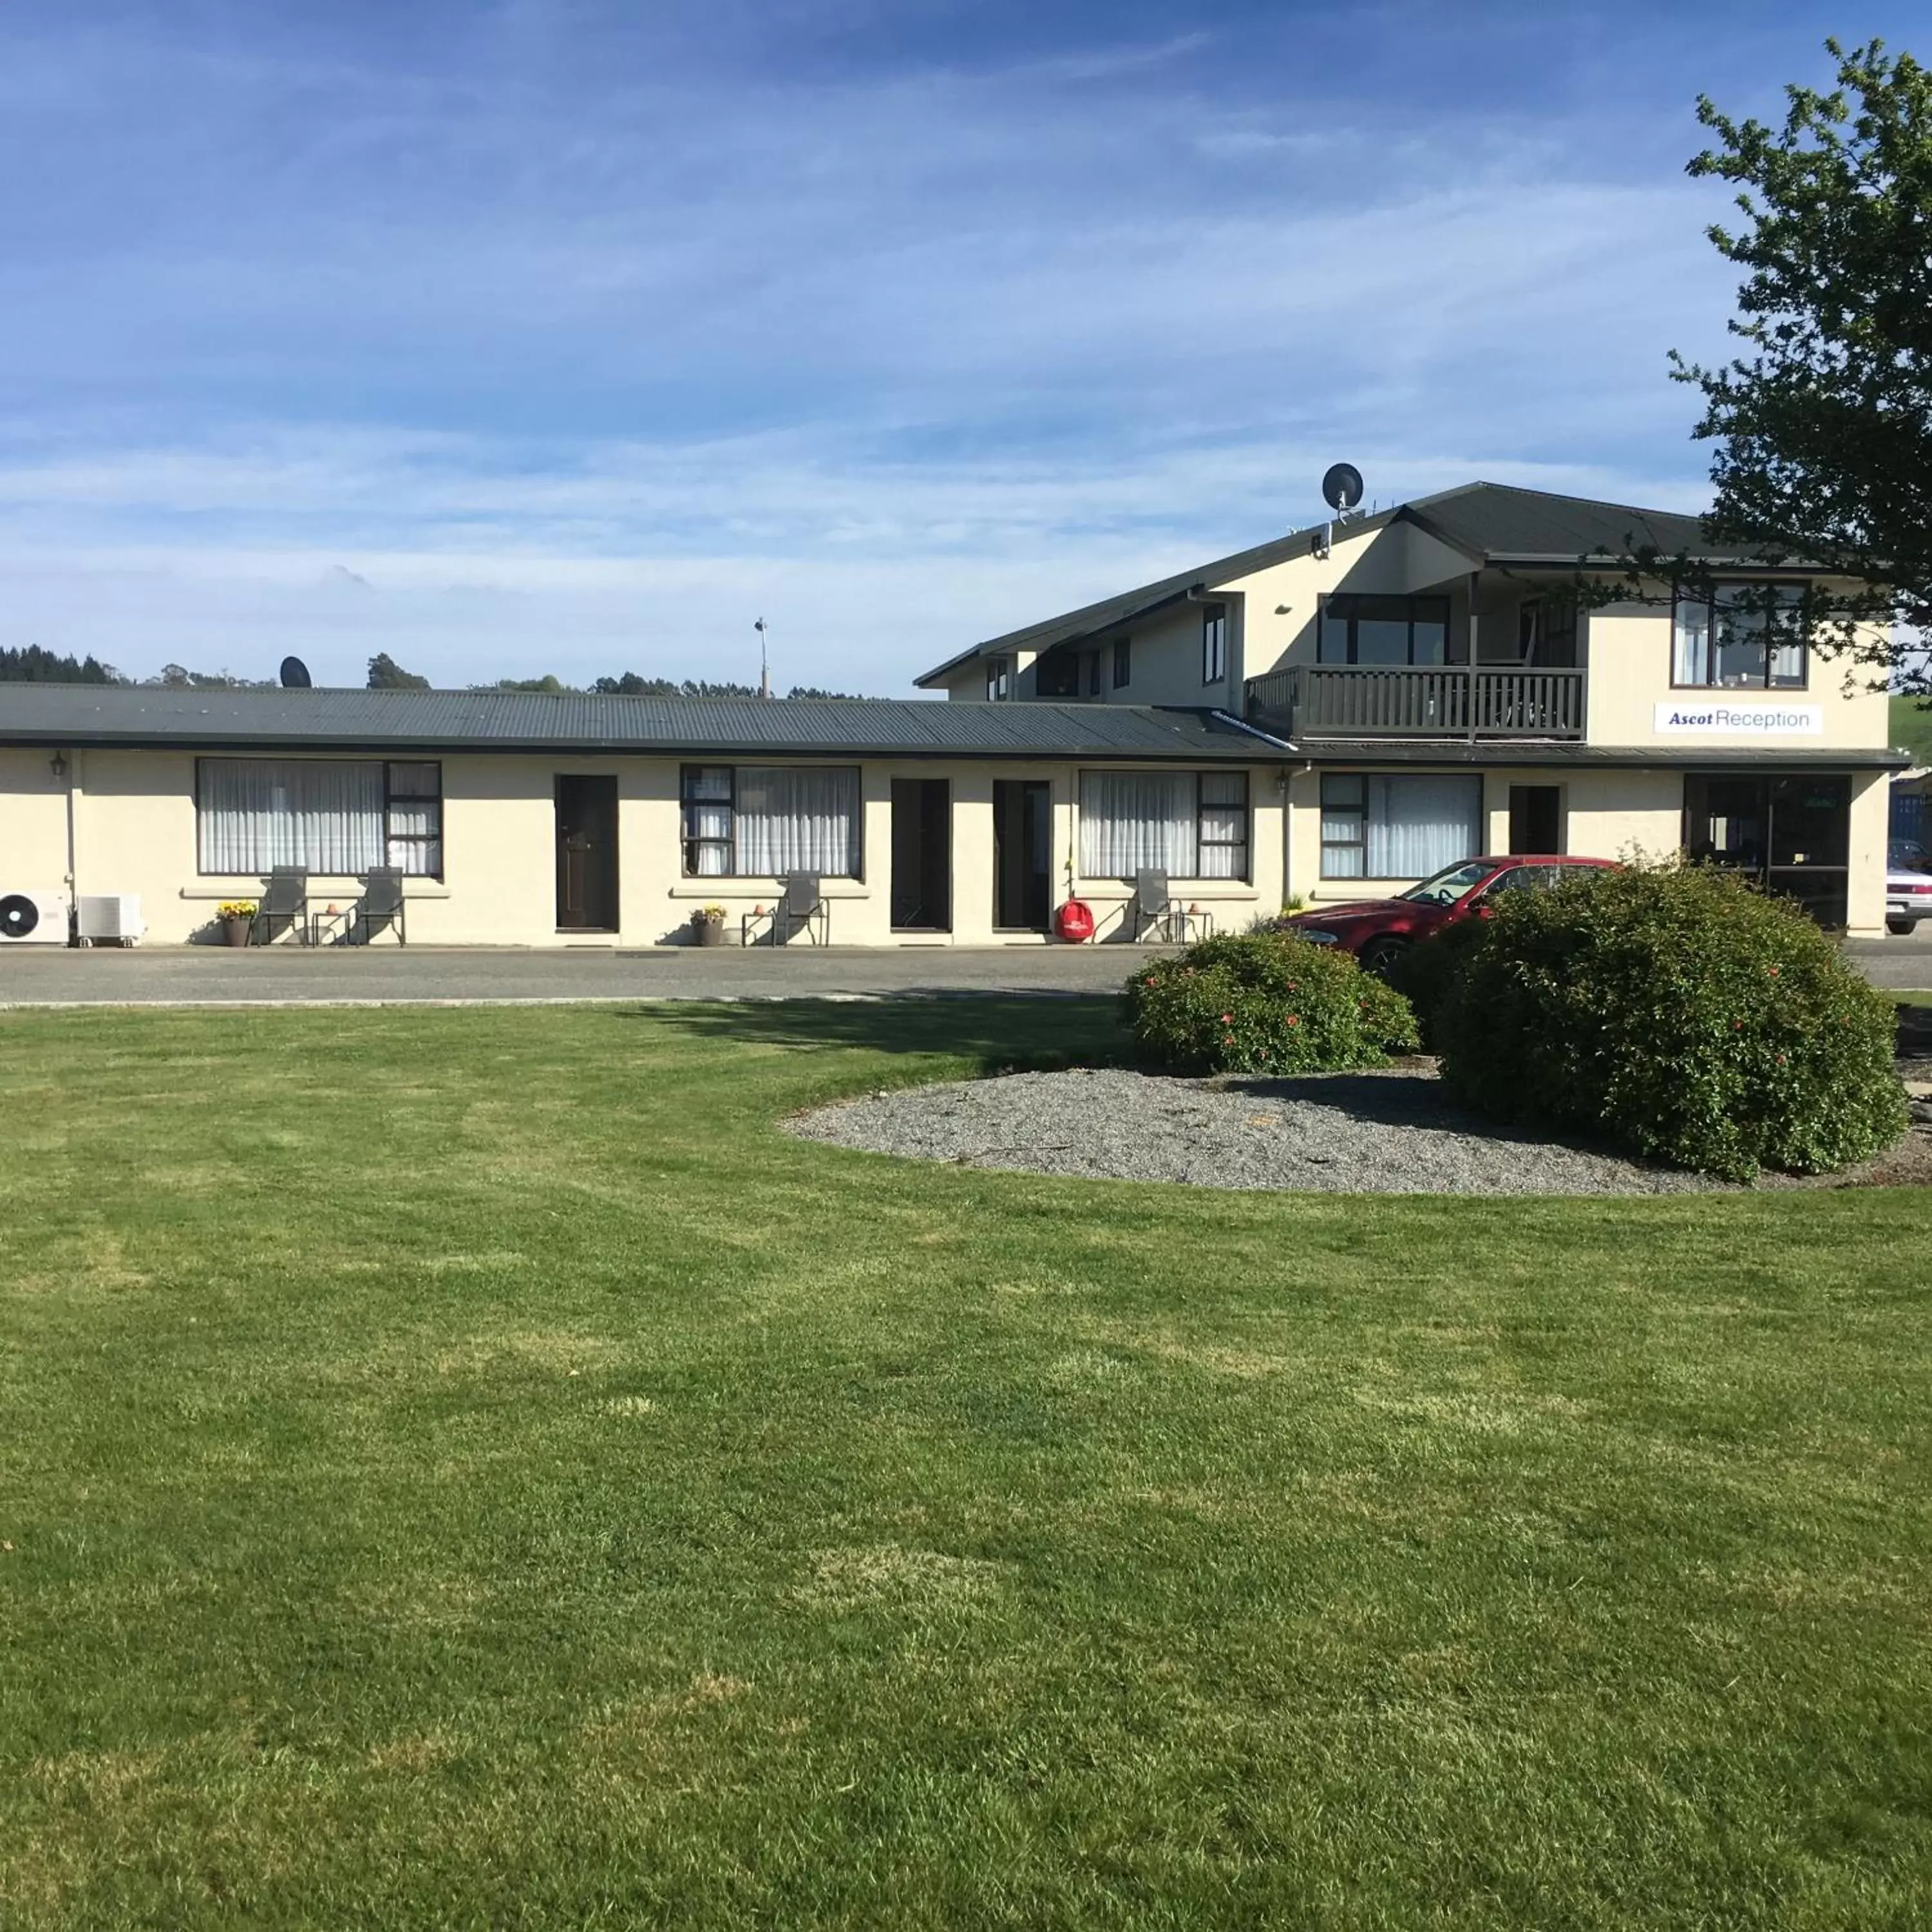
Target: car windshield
pixel 1905 856
pixel 1446 887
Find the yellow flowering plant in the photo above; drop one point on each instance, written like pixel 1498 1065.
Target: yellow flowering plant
pixel 236 909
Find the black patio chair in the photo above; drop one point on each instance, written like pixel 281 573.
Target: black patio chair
pixel 283 908
pixel 381 908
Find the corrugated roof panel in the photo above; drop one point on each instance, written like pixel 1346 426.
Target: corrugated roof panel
pixel 581 721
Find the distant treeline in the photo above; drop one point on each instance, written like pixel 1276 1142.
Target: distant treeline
pixel 32 664
pixel 385 674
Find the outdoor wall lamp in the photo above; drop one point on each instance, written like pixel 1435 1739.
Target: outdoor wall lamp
pixel 57 764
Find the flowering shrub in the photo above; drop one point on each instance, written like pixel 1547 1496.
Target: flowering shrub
pixel 1680 1010
pixel 1264 1003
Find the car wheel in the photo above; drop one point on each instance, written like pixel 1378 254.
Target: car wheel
pixel 1901 927
pixel 1381 956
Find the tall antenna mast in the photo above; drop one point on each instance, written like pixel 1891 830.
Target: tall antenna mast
pixel 764 660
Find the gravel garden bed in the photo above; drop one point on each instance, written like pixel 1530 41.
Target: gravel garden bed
pixel 1394 1132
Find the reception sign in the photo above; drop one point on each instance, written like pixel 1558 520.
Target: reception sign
pixel 1731 717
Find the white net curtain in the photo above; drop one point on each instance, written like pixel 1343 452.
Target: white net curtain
pixel 1190 825
pixel 256 813
pixel 797 819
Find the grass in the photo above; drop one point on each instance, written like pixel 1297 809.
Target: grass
pixel 1911 728
pixel 466 1468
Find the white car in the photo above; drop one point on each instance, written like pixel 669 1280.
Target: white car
pixel 1908 886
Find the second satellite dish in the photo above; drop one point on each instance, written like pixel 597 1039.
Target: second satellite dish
pixel 295 675
pixel 1342 487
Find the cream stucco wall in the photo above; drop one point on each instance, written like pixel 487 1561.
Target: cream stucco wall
pixel 1629 650
pixel 134 822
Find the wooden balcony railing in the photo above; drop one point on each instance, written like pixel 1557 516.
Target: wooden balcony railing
pixel 1416 701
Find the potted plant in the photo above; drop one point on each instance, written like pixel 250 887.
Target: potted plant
pixel 707 926
pixel 237 919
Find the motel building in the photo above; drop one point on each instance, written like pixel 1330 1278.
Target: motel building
pixel 1334 715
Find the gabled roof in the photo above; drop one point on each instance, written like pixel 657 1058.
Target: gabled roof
pixel 400 722
pixel 1491 523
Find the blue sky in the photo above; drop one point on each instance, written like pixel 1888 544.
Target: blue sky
pixel 560 335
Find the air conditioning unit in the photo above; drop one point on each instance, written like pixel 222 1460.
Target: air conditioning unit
pixel 113 917
pixel 33 918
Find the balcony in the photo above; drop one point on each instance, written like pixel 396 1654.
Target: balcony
pixel 1458 701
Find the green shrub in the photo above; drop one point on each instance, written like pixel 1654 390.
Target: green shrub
pixel 1264 1003
pixel 1424 972
pixel 1679 1010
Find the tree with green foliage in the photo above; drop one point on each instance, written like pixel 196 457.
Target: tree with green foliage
pixel 385 674
pixel 33 663
pixel 1823 423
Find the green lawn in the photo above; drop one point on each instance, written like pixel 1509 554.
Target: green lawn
pixel 1911 727
pixel 466 1468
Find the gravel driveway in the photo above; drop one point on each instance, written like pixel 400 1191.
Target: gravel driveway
pixel 1393 1132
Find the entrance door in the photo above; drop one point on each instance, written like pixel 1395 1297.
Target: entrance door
pixel 1022 853
pixel 1536 819
pixel 1793 834
pixel 922 855
pixel 586 854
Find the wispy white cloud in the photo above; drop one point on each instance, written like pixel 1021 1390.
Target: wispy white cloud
pixel 580 347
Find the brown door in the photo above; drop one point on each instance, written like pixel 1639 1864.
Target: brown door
pixel 922 855
pixel 586 854
pixel 1536 819
pixel 1022 853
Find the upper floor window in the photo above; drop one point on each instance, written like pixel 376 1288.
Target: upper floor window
pixel 999 677
pixel 1057 675
pixel 1740 637
pixel 763 821
pixel 1093 674
pixel 1124 661
pixel 1361 630
pixel 336 817
pixel 1213 643
pixel 1546 632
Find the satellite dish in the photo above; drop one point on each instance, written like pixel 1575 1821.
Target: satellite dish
pixel 294 672
pixel 1341 488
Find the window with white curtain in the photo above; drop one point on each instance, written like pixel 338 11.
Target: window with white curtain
pixel 1190 825
pixel 336 817
pixel 1401 825
pixel 763 821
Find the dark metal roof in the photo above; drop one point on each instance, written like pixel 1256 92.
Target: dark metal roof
pixel 1497 523
pixel 1489 522
pixel 400 721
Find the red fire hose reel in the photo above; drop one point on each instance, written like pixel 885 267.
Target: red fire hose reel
pixel 1074 921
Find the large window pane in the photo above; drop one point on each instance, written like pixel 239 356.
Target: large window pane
pixel 1417 824
pixel 1382 640
pixel 798 819
pixel 1690 663
pixel 255 814
pixel 1130 820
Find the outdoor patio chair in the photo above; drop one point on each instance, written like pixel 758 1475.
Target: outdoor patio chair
pixel 1154 906
pixel 283 907
pixel 381 907
pixel 802 907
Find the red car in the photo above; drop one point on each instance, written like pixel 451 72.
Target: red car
pixel 1379 931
